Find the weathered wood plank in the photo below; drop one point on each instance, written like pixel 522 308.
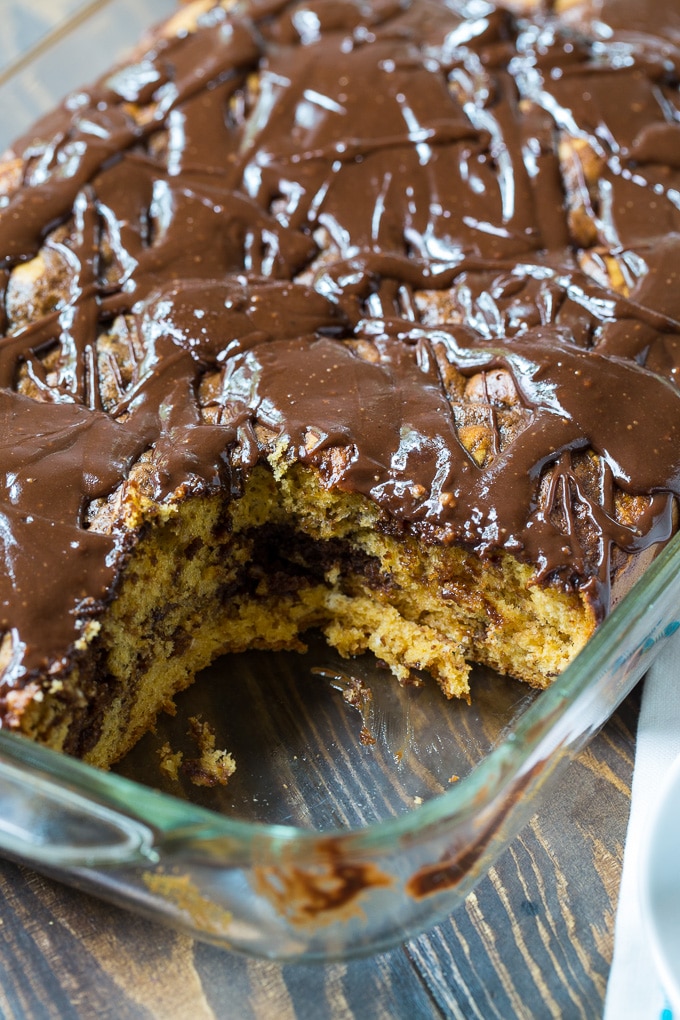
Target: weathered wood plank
pixel 536 937
pixel 533 940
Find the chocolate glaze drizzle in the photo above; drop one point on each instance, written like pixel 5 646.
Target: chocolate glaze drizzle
pixel 339 220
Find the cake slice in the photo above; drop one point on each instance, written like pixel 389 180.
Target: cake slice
pixel 354 317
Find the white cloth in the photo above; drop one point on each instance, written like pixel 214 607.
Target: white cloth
pixel 634 991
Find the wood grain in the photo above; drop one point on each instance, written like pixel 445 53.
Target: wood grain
pixel 533 940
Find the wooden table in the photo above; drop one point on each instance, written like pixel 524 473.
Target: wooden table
pixel 533 940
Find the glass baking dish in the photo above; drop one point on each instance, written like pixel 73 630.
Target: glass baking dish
pixel 361 811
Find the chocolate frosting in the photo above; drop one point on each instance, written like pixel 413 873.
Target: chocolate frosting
pixel 268 209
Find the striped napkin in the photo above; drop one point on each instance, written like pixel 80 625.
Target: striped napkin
pixel 634 990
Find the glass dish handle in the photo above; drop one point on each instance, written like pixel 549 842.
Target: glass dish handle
pixel 44 822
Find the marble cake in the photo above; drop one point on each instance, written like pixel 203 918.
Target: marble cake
pixel 356 316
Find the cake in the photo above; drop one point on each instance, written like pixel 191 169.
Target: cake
pixel 359 317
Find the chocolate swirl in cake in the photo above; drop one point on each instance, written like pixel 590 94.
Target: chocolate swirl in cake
pixel 274 203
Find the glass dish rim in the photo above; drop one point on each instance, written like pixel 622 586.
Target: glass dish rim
pixel 182 821
pixel 486 781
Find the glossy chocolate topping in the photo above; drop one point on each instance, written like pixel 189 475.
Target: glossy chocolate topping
pixel 431 248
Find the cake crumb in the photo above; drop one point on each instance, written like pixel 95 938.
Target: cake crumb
pixel 170 762
pixel 213 767
pixel 357 694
